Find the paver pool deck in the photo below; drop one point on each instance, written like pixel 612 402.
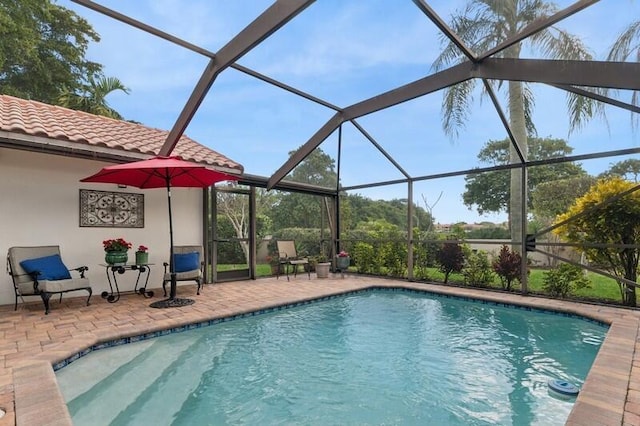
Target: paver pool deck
pixel 32 342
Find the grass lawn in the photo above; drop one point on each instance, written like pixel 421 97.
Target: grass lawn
pixel 601 289
pixel 262 269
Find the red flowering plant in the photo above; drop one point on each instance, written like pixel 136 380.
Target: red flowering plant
pixel 142 249
pixel 343 254
pixel 116 244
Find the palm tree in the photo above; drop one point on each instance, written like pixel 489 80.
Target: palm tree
pixel 93 99
pixel 627 46
pixel 484 24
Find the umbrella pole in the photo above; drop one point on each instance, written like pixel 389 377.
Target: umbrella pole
pixel 172 301
pixel 172 270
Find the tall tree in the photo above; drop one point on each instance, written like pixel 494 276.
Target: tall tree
pixel 42 49
pixel 596 219
pixel 235 208
pixel 303 210
pixel 552 198
pixel 627 47
pixel 490 191
pixel 627 169
pixel 363 209
pixel 484 24
pixel 93 97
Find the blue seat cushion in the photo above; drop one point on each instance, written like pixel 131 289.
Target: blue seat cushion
pixel 183 262
pixel 51 268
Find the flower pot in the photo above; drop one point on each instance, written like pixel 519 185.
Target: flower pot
pixel 343 262
pixel 116 257
pixel 142 258
pixel 322 270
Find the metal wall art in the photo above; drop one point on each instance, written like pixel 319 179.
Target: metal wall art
pixel 107 209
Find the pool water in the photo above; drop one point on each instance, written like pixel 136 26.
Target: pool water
pixel 374 358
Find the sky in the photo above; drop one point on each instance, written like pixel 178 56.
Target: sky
pixel 342 51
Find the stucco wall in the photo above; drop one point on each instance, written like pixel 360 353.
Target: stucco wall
pixel 40 206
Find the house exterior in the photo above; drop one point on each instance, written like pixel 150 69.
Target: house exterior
pixel 44 152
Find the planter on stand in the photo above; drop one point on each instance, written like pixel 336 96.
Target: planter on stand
pixel 343 263
pixel 142 258
pixel 322 269
pixel 116 257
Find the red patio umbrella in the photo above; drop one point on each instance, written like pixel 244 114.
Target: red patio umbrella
pixel 162 172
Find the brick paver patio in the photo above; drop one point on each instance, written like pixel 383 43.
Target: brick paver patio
pixel 32 342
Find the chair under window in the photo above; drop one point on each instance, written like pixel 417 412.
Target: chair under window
pixel 289 257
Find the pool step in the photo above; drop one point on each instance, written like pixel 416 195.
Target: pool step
pixel 88 371
pixel 180 380
pixel 124 385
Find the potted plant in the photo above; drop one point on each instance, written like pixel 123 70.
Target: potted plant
pixel 142 255
pixel 343 260
pixel 311 266
pixel 116 251
pixel 274 262
pixel 322 267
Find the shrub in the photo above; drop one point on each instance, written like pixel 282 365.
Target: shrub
pixel 425 252
pixel 507 266
pixel 395 257
pixel 364 257
pixel 450 258
pixel 563 280
pixel 477 269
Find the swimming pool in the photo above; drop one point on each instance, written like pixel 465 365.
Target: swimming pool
pixel 378 357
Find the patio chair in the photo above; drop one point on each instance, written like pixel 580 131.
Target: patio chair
pixel 188 264
pixel 39 271
pixel 288 256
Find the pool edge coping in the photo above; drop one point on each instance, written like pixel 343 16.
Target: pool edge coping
pixel 595 403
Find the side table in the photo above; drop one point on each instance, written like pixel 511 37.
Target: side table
pixel 111 270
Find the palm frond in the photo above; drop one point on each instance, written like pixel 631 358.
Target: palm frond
pixel 559 44
pixel 626 44
pixel 456 105
pixel 529 103
pixel 581 109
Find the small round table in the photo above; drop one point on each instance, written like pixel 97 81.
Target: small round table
pixel 113 295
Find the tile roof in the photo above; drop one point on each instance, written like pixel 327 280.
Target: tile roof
pixel 54 122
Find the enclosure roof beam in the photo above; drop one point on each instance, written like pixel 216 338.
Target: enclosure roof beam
pixel 418 88
pixel 503 119
pixel 539 25
pixel 380 148
pixel 180 42
pixel 617 75
pixel 613 75
pixel 598 97
pixel 306 149
pixel 285 185
pixel 446 30
pixel 477 170
pixel 421 87
pixel 286 87
pixel 273 18
pixel 142 26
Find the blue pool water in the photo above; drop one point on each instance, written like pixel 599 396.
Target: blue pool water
pixel 374 358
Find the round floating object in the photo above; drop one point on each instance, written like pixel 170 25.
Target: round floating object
pixel 563 387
